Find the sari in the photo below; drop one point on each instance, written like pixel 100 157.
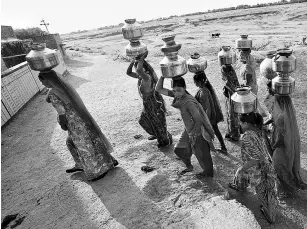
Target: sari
pixel 89 147
pixel 286 146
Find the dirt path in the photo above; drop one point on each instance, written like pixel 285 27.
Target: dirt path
pixel 34 158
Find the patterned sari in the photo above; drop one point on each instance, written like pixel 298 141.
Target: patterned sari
pixel 261 176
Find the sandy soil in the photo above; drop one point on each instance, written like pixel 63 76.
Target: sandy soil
pixel 34 155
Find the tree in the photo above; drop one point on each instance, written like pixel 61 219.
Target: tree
pixel 28 33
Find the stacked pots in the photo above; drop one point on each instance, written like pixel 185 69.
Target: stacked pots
pixel 197 63
pixel 41 58
pixel 226 56
pixel 133 32
pixel 172 65
pixel 266 66
pixel 244 101
pixel 283 63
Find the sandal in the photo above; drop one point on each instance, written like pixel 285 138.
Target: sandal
pixel 74 169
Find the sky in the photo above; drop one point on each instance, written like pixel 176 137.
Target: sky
pixel 66 16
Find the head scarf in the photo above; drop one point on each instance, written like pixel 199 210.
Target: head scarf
pixel 285 120
pixel 202 78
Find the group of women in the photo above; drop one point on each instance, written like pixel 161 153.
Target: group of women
pixel 267 161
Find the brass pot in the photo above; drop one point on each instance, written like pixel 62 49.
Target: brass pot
pixel 284 61
pixel 266 66
pixel 244 101
pixel 244 42
pixel 172 65
pixel 41 58
pixel 132 30
pixel 226 56
pixel 196 63
pixel 135 48
pixel 283 84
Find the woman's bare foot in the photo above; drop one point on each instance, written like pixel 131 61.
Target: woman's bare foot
pixel 188 169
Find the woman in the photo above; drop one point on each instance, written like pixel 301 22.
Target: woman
pixel 286 146
pixel 257 168
pixel 229 75
pixel 198 134
pixel 152 118
pixel 88 146
pixel 248 74
pixel 207 98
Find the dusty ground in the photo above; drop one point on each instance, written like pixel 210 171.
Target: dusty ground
pixel 34 156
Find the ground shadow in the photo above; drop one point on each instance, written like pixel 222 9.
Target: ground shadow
pixel 126 202
pixel 77 63
pixel 75 81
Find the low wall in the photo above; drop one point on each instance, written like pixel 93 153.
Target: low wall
pixel 18 85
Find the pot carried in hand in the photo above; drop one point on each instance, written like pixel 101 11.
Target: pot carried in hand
pixel 133 32
pixel 266 66
pixel 172 65
pixel 243 100
pixel 41 58
pixel 226 56
pixel 197 63
pixel 244 42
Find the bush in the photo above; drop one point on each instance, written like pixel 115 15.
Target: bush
pixel 28 33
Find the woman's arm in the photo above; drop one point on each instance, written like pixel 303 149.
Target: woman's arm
pixel 159 88
pixel 140 71
pixel 59 107
pixel 130 72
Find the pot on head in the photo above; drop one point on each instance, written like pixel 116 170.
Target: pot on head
pixel 172 65
pixel 226 56
pixel 266 66
pixel 41 58
pixel 244 42
pixel 196 63
pixel 243 100
pixel 283 84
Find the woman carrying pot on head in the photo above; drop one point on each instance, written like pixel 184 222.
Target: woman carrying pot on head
pixel 286 145
pixel 152 118
pixel 257 169
pixel 198 134
pixel 248 73
pixel 229 75
pixel 207 98
pixel 88 146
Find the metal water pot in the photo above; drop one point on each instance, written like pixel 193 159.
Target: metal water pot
pixel 284 61
pixel 196 63
pixel 283 84
pixel 226 56
pixel 135 48
pixel 41 58
pixel 266 66
pixel 172 65
pixel 244 42
pixel 243 100
pixel 132 30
